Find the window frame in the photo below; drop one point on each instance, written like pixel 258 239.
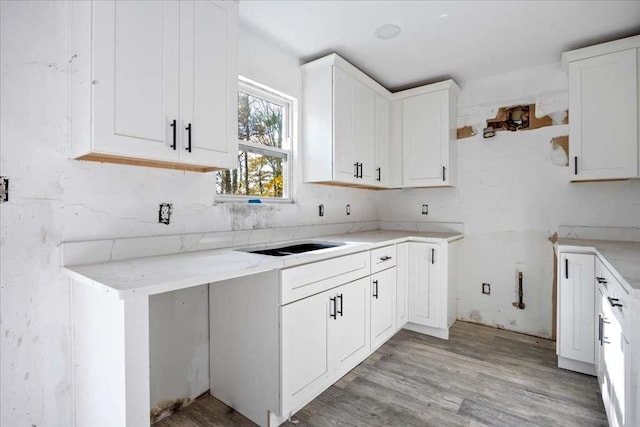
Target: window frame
pixel 258 90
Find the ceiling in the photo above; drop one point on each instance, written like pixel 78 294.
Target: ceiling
pixel 464 40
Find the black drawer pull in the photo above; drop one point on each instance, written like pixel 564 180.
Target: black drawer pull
pixel 341 304
pixel 385 258
pixel 433 256
pixel 333 302
pixel 375 289
pixel 614 302
pixel 566 268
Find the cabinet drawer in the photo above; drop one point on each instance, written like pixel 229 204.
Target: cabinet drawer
pixel 620 296
pixel 614 293
pixel 383 258
pixel 309 279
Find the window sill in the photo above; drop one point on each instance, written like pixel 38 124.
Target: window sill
pixel 245 200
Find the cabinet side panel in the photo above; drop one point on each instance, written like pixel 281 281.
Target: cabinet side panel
pixel 402 300
pixel 452 161
pixel 317 123
pixel 244 343
pixel 99 358
pixel 80 137
pixel 452 283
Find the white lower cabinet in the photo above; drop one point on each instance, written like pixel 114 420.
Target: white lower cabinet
pixel 349 334
pixel 323 337
pixel 383 306
pixel 306 369
pixel 280 338
pixel 576 293
pixel 425 287
pixel 596 332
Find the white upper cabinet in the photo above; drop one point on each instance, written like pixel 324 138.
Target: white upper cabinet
pixel 603 105
pixel 345 125
pixel 209 76
pixel 155 83
pixel 429 135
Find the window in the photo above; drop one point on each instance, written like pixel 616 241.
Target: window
pixel 264 142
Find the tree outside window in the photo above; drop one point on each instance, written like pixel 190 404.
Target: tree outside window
pixel 264 147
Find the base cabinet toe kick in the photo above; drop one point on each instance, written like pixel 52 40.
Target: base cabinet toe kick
pixel 281 338
pixel 597 330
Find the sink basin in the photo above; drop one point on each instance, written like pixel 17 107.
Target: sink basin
pixel 292 249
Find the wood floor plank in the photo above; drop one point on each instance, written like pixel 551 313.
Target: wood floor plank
pixel 481 376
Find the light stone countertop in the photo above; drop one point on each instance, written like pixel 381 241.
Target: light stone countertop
pixel 622 258
pixel 159 274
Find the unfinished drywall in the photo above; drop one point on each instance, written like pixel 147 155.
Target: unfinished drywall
pixel 511 197
pixel 54 199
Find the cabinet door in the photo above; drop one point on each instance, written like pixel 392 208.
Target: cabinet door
pixel 615 358
pixel 402 285
pixel 599 331
pixel 305 361
pixel 209 83
pixel 603 100
pixel 383 306
pixel 135 78
pixel 426 305
pixel 425 127
pixel 382 151
pixel 344 152
pixel 349 332
pixel 363 130
pixel 576 302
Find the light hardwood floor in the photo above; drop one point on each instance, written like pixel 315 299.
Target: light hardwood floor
pixel 481 376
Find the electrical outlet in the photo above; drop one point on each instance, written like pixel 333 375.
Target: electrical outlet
pixel 425 209
pixel 348 209
pixel 486 288
pixel 320 210
pixel 164 213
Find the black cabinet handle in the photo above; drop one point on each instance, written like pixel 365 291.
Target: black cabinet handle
pixel 443 173
pixel 173 125
pixel 433 256
pixel 379 175
pixel 614 302
pixel 375 289
pixel 341 304
pixel 333 301
pixel 602 281
pixel 566 268
pixel 360 169
pixel 188 129
pixel 355 166
pixel 385 258
pixel 575 165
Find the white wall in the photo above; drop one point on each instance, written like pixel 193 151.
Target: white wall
pixel 54 199
pixel 511 198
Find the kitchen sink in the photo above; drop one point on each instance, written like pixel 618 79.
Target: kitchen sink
pixel 292 249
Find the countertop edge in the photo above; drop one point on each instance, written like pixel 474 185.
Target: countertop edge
pixel 275 264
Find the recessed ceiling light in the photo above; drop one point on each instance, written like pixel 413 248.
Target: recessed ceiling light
pixel 444 15
pixel 387 32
